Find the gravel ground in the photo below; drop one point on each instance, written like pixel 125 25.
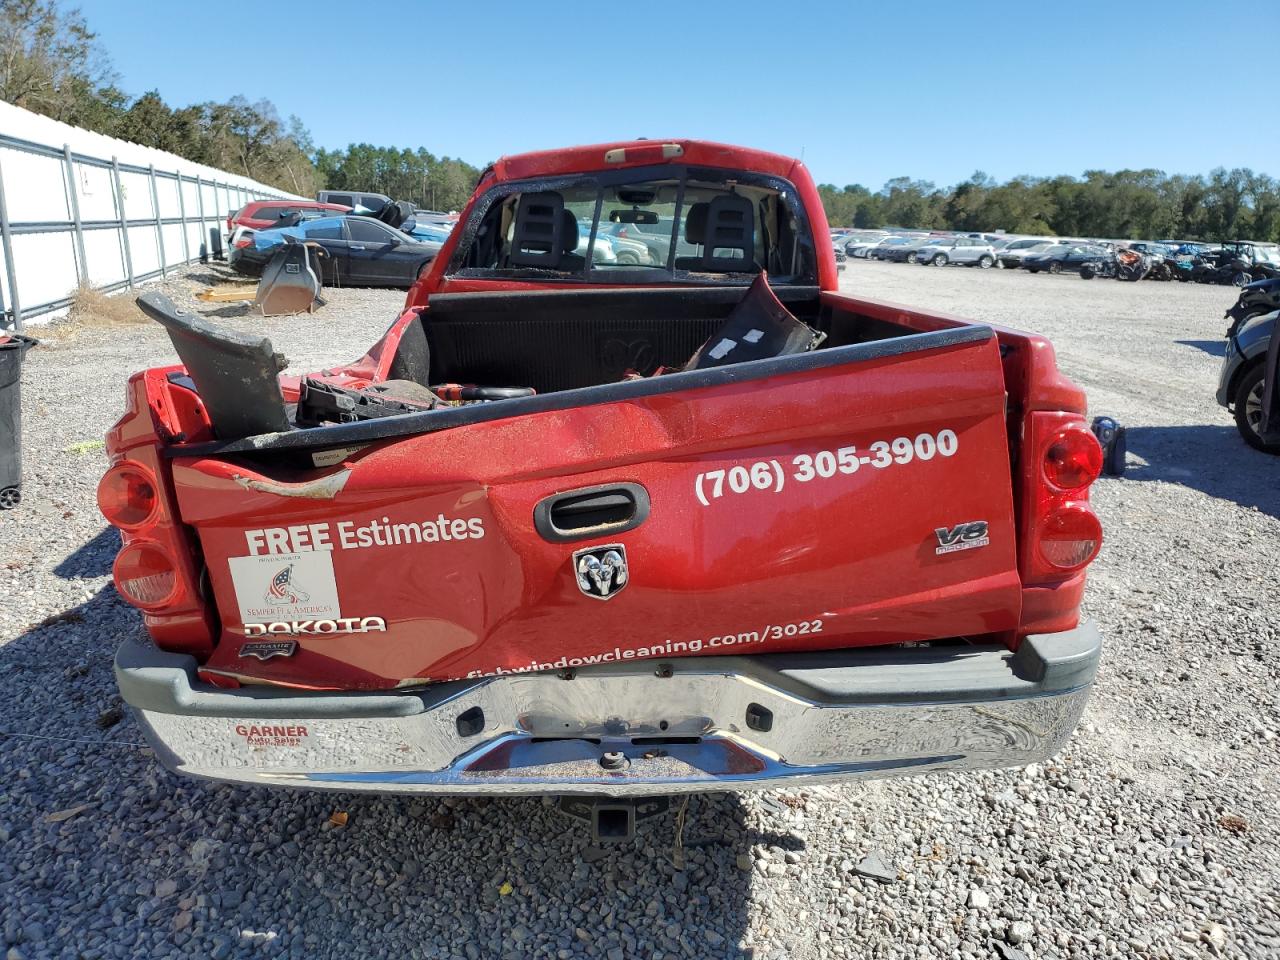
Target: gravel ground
pixel 1154 834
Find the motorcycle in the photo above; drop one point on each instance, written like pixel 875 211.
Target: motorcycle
pixel 1226 269
pixel 1101 267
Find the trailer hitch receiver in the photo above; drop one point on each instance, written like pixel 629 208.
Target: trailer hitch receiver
pixel 613 821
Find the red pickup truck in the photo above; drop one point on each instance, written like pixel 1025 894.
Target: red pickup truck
pixel 588 528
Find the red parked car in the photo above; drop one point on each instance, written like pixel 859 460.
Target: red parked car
pixel 262 214
pixel 614 530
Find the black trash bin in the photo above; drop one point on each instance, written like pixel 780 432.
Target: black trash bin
pixel 13 347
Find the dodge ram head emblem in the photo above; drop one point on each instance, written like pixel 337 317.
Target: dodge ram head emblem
pixel 601 572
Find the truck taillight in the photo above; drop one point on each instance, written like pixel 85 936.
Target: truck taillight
pixel 1069 537
pixel 127 496
pixel 1073 459
pixel 1061 533
pixel 244 242
pixel 146 576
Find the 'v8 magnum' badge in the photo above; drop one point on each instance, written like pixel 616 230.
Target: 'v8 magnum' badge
pixel 601 572
pixel 963 536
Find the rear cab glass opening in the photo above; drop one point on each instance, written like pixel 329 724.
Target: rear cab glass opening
pixel 638 226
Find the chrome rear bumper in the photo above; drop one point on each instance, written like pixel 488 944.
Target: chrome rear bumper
pixel 713 724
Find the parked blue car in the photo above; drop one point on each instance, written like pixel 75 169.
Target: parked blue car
pixel 426 231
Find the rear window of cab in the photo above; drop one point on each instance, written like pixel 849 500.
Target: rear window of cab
pixel 645 225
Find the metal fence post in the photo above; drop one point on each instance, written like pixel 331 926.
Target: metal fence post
pixel 124 224
pixel 82 265
pixel 7 240
pixel 204 234
pixel 182 215
pixel 155 208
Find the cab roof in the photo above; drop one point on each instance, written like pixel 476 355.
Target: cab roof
pixel 640 153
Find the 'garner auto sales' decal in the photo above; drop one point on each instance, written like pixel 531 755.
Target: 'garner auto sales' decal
pixel 272 735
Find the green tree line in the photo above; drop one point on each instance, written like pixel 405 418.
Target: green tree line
pixel 1134 204
pixel 51 63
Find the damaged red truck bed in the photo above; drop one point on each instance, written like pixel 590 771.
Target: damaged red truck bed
pixel 704 513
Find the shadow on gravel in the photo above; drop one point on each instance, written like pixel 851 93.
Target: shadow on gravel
pixel 115 856
pixel 91 559
pixel 1212 459
pixel 213 277
pixel 233 310
pixel 1215 348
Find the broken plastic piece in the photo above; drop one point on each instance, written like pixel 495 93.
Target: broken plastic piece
pixel 759 327
pixel 236 374
pixel 320 402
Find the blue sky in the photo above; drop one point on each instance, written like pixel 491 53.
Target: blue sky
pixel 863 91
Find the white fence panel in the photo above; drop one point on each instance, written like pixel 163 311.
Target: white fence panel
pixel 136 188
pixel 34 187
pixel 174 255
pixel 76 206
pixel 96 192
pixel 106 258
pixel 46 265
pixel 167 194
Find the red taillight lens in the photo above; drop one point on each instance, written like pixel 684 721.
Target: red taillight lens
pixel 1073 459
pixel 127 496
pixel 1060 533
pixel 243 242
pixel 1070 537
pixel 145 575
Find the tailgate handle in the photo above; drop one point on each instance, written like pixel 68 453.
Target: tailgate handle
pixel 591 512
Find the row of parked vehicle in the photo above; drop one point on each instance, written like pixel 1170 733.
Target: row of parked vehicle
pixel 1238 262
pixel 361 238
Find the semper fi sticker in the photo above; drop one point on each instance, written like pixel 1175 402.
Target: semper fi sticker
pixel 285 586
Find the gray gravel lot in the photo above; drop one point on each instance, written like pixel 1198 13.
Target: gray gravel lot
pixel 1154 834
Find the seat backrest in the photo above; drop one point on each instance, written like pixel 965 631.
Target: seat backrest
pixel 730 243
pixel 544 230
pixel 725 228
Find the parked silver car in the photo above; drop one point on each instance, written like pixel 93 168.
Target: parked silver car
pixel 961 250
pixel 861 247
pixel 1010 256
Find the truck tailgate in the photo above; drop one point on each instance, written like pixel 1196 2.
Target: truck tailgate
pixel 864 501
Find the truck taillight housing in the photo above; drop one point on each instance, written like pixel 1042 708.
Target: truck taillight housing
pixel 127 496
pixel 158 569
pixel 146 576
pixel 1060 532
